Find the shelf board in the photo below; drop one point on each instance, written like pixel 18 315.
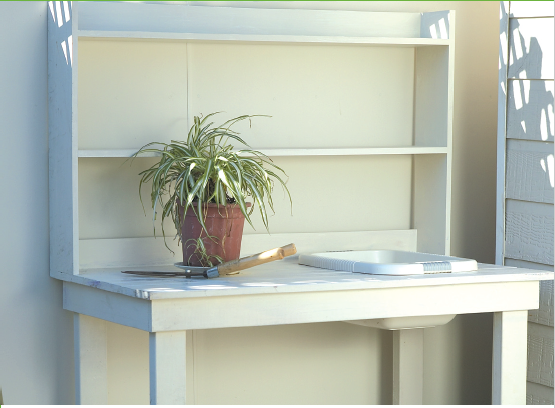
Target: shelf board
pixel 263 38
pixel 355 151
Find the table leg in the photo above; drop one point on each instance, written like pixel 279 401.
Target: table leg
pixel 509 357
pixel 408 366
pixel 90 347
pixel 167 367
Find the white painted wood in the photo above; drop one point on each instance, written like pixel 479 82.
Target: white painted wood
pixel 432 203
pixel 431 95
pixel 361 151
pixel 531 9
pixel 537 394
pixel 540 354
pixel 530 110
pixel 62 136
pixel 265 296
pixel 91 363
pixel 167 360
pixel 531 48
pixel 501 131
pixel 152 251
pixel 435 24
pixel 283 276
pixel 408 367
pixel 138 88
pixel 530 171
pixel 529 231
pixel 236 21
pixel 317 93
pixel 509 358
pixel 266 39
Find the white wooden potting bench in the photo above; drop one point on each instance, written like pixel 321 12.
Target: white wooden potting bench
pixel 114 74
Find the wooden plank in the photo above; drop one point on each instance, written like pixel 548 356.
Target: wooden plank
pixel 530 110
pixel 167 373
pixel 540 354
pixel 530 171
pixel 531 8
pixel 543 315
pixel 529 231
pixel 91 360
pixel 509 358
pixel 360 151
pixel 501 131
pixel 432 203
pixel 294 308
pixel 531 48
pixel 152 251
pixel 537 394
pixel 113 307
pixel 229 21
pixel 262 39
pixel 408 367
pixel 62 136
pixel 214 303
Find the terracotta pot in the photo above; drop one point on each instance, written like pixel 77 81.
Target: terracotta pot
pixel 224 222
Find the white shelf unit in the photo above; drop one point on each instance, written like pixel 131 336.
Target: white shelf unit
pixel 385 78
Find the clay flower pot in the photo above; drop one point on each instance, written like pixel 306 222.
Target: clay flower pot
pixel 223 222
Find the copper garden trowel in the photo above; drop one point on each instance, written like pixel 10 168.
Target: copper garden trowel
pixel 226 268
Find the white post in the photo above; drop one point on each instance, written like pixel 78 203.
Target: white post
pixel 408 366
pixel 90 346
pixel 167 367
pixel 509 357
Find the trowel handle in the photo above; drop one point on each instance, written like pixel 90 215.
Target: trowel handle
pixel 258 259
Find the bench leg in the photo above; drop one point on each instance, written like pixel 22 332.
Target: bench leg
pixel 509 357
pixel 167 367
pixel 90 347
pixel 408 366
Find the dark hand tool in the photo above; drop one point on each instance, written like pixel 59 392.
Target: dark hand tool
pixel 226 268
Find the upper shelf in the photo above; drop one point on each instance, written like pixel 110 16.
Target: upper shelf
pixel 191 22
pixel 361 151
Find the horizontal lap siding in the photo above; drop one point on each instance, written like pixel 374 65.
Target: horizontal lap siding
pixel 529 231
pixel 529 173
pixel 527 144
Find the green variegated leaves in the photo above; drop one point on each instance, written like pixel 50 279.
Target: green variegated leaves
pixel 205 169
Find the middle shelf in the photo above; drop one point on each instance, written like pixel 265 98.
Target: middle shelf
pixel 362 151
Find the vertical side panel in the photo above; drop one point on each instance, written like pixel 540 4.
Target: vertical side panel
pixel 62 120
pixel 430 203
pixel 501 131
pixel 435 24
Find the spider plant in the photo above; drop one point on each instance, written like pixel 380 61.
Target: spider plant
pixel 200 251
pixel 206 169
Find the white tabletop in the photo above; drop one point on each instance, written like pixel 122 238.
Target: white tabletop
pixel 282 277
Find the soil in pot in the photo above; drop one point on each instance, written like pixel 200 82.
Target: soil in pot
pixel 225 227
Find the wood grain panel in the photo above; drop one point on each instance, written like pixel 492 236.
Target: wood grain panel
pixel 529 231
pixel 530 110
pixel 537 394
pixel 543 315
pixel 531 48
pixel 540 354
pixel 529 174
